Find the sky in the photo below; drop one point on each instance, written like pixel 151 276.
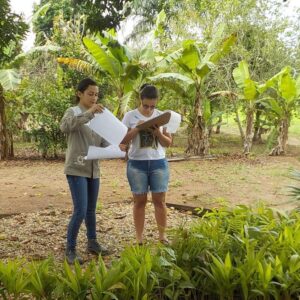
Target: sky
pixel 25 7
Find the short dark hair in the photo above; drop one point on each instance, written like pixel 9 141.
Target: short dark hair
pixel 83 85
pixel 148 91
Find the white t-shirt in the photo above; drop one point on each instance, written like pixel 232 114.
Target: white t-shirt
pixel 144 146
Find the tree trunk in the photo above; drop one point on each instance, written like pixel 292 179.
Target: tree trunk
pixel 280 149
pixel 218 129
pixel 198 142
pixel 237 118
pixel 248 135
pixel 257 127
pixel 11 152
pixel 119 112
pixel 4 142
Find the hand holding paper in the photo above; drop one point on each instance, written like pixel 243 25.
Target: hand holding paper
pixel 109 127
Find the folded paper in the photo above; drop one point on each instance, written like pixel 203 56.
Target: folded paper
pixel 111 151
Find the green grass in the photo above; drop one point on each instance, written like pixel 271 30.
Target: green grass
pixel 23 145
pixel 176 183
pixel 294 129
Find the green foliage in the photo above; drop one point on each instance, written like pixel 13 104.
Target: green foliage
pixel 242 78
pixel 45 99
pixel 125 69
pixel 44 16
pixel 13 279
pixel 239 253
pixel 106 282
pixel 75 283
pixel 295 190
pixel 12 31
pixel 42 281
pixel 286 92
pixel 9 79
pixel 95 20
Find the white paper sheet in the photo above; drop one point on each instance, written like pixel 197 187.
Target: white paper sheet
pixel 111 151
pixel 108 127
pixel 174 122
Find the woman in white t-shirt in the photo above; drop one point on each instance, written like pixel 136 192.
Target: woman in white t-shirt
pixel 147 167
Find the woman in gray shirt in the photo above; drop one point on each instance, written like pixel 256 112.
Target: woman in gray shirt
pixel 82 175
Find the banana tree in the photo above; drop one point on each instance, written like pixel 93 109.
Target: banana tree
pixel 250 95
pixel 9 80
pixel 232 97
pixel 124 69
pixel 194 67
pixel 285 94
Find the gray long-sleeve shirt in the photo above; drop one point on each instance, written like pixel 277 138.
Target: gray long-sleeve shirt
pixel 75 123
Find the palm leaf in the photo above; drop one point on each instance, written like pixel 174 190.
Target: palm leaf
pixel 126 100
pixel 287 87
pixel 46 48
pixel 241 73
pixel 41 12
pixel 172 77
pixel 274 106
pixel 9 79
pixel 77 64
pixel 190 58
pixel 216 51
pixel 109 64
pixel 274 80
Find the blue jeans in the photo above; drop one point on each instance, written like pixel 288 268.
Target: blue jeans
pixel 84 193
pixel 145 175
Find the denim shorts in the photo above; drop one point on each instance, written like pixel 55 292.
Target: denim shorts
pixel 145 175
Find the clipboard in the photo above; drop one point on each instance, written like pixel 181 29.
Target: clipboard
pixel 158 121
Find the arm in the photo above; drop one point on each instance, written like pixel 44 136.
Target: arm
pixel 131 134
pixel 70 122
pixel 164 138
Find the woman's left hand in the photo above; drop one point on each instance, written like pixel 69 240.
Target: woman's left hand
pixel 123 147
pixel 156 130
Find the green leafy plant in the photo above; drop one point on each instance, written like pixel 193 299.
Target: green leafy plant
pixel 13 279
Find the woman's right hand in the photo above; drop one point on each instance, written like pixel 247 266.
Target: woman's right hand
pixel 96 108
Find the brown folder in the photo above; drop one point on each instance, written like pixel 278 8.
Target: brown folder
pixel 158 121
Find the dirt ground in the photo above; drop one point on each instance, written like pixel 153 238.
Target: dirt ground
pixel 32 185
pixel 42 234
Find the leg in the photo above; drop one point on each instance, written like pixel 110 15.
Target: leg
pixel 78 187
pixel 137 174
pixel 139 205
pixel 160 213
pixel 159 178
pixel 90 219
